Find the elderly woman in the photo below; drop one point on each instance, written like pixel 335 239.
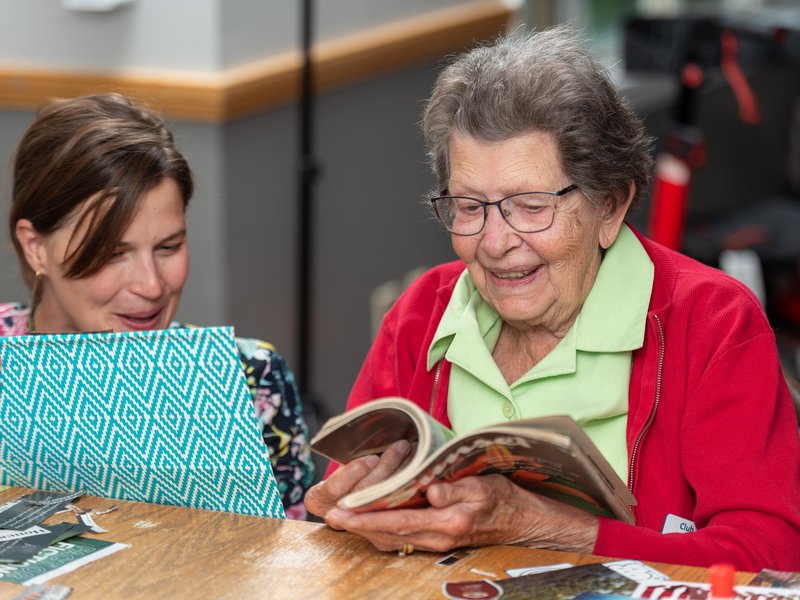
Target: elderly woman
pixel 98 223
pixel 557 306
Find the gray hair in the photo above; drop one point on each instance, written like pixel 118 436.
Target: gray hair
pixel 545 81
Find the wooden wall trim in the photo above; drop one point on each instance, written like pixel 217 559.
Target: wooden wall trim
pixel 219 97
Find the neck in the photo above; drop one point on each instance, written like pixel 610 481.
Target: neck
pixel 46 318
pixel 517 351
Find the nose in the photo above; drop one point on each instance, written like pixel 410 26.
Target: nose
pixel 146 280
pixel 498 237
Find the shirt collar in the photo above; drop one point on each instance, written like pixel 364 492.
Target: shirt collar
pixel 459 308
pixel 614 314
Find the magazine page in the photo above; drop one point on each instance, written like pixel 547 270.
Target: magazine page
pixel 603 471
pixel 780 579
pixel 685 590
pixel 562 584
pixel 373 427
pixel 543 461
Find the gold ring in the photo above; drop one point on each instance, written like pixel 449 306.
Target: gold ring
pixel 406 550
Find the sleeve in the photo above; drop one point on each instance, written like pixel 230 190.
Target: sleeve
pixel 378 376
pixel 392 366
pixel 740 451
pixel 401 345
pixel 280 412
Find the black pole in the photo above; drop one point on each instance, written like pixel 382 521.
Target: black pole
pixel 307 173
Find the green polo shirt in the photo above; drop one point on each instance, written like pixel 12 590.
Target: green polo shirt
pixel 586 376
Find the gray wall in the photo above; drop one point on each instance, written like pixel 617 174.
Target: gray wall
pixel 12 125
pixel 180 35
pixel 370 224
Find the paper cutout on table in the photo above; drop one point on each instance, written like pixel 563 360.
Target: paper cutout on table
pixel 777 579
pixel 601 596
pixel 685 590
pixel 88 520
pixel 636 570
pixel 632 569
pixel 15 534
pixel 614 577
pixel 44 592
pixel 31 509
pixel 519 572
pixel 452 558
pixel 157 416
pixel 57 559
pixel 20 550
pixel 471 590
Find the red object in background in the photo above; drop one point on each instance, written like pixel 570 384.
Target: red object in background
pixel 745 98
pixel 670 195
pixel 684 152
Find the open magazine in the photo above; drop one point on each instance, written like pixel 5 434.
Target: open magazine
pixel 551 456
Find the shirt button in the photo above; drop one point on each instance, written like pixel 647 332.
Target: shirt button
pixel 508 409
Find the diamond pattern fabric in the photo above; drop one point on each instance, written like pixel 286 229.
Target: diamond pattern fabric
pixel 156 416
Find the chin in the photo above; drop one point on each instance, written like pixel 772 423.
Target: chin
pixel 511 314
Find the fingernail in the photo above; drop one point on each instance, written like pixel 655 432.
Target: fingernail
pixel 332 517
pixel 403 446
pixel 336 515
pixel 372 460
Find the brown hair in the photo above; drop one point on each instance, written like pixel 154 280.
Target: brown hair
pixel 103 149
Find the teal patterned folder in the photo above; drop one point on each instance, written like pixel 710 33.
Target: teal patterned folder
pixel 156 416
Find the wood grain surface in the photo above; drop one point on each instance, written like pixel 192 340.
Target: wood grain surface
pixel 180 552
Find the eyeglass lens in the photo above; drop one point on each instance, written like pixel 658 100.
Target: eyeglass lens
pixel 526 213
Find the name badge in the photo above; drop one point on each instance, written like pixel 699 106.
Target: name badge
pixel 676 524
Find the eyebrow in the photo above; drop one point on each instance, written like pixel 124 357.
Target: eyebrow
pixel 173 236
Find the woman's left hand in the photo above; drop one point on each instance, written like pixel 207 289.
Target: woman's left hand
pixel 475 511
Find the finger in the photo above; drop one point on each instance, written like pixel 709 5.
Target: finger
pixel 425 529
pixel 468 490
pixel 393 522
pixel 324 495
pixel 391 459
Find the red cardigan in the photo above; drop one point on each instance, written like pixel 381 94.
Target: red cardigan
pixel 712 436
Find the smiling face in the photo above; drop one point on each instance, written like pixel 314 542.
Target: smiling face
pixel 138 289
pixel 532 280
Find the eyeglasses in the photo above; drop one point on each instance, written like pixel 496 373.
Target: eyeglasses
pixel 527 212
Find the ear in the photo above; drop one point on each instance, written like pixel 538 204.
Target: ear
pixel 33 246
pixel 613 220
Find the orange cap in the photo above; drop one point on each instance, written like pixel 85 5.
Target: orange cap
pixel 721 577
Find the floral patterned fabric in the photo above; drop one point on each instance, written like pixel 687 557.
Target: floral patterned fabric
pixel 275 399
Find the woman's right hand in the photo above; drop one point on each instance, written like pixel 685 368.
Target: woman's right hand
pixel 355 475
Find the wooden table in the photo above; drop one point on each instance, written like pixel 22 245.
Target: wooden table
pixel 189 553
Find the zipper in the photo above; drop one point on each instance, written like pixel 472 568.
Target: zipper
pixel 652 416
pixel 435 385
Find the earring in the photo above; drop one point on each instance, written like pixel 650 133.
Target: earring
pixel 36 293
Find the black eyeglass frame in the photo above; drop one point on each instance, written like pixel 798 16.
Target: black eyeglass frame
pixel 498 203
